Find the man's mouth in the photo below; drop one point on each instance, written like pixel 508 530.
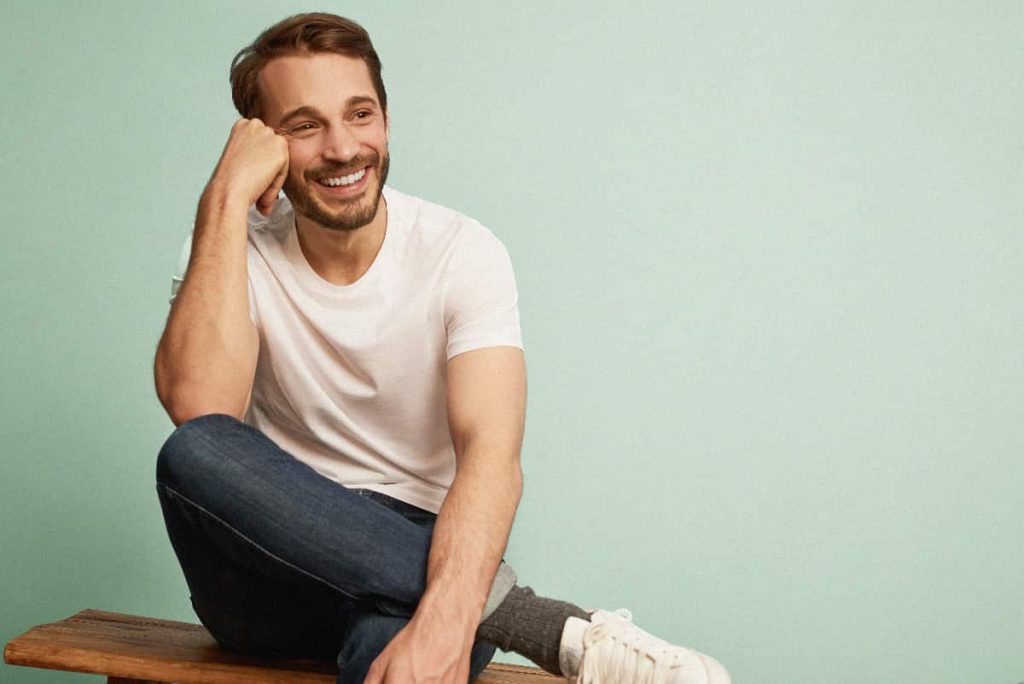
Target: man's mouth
pixel 337 181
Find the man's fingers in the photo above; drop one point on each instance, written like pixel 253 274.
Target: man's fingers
pixel 375 675
pixel 397 675
pixel 265 204
pixel 266 201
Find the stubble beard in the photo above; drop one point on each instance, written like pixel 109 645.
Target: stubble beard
pixel 353 213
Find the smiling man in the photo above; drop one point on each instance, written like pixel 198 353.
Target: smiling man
pixel 346 372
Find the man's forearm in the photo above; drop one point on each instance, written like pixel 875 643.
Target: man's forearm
pixel 470 535
pixel 207 355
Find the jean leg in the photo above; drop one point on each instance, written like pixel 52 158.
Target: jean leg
pixel 247 604
pixel 370 632
pixel 269 506
pixel 229 493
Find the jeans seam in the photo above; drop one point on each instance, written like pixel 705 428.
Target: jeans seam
pixel 262 550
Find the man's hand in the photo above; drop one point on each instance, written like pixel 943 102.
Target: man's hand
pixel 429 650
pixel 253 166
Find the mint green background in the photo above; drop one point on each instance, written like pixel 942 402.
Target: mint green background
pixel 770 263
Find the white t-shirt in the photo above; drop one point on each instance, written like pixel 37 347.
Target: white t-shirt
pixel 351 379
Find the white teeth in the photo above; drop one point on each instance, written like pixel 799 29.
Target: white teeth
pixel 344 180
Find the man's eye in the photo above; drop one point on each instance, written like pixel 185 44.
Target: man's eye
pixel 363 114
pixel 302 127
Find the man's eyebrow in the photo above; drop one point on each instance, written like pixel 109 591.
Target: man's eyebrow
pixel 360 100
pixel 306 110
pixel 301 111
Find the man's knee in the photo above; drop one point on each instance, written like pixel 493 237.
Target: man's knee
pixel 194 446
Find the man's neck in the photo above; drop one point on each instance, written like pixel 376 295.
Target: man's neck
pixel 342 257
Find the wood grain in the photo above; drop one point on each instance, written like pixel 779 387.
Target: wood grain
pixel 130 648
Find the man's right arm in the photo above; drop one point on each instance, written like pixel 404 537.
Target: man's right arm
pixel 206 359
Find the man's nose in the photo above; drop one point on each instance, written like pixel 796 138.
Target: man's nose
pixel 340 144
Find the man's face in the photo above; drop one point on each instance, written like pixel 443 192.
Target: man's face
pixel 326 107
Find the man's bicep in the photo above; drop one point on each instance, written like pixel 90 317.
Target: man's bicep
pixel 487 399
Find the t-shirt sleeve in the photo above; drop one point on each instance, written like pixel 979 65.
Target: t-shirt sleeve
pixel 179 277
pixel 481 301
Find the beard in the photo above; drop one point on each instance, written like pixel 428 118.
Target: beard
pixel 343 214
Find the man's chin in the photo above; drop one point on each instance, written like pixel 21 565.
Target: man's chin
pixel 335 212
pixel 354 213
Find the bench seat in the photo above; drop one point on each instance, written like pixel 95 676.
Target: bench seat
pixel 130 649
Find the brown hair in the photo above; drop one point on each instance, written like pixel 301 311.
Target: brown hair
pixel 300 34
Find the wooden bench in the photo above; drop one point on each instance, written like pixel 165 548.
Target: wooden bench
pixel 138 650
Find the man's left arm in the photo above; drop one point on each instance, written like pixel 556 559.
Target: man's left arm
pixel 486 415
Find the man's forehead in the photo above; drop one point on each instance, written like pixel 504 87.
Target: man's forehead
pixel 319 80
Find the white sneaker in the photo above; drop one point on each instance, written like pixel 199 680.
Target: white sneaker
pixel 610 649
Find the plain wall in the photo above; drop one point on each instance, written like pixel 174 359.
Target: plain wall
pixel 770 267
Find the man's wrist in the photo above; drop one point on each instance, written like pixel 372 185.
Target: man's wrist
pixel 220 198
pixel 452 610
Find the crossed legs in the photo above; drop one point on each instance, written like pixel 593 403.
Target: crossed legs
pixel 281 561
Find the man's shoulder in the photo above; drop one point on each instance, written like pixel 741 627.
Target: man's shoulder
pixel 435 221
pixel 426 214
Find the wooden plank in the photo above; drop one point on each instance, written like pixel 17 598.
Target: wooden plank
pixel 132 649
pixel 500 673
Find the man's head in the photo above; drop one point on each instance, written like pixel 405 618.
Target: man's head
pixel 300 34
pixel 315 78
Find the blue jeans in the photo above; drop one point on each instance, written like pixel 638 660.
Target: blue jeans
pixel 282 562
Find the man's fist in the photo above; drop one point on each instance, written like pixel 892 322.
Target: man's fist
pixel 254 164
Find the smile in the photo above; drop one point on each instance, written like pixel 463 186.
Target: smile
pixel 344 180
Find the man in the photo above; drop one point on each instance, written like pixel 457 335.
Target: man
pixel 346 371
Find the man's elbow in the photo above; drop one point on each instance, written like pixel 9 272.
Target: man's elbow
pixel 517 481
pixel 477 460
pixel 512 477
pixel 182 411
pixel 183 401
pixel 185 404
pixel 179 417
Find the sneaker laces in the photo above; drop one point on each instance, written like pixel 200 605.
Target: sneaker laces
pixel 616 651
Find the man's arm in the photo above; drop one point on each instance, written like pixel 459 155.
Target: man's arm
pixel 206 358
pixel 486 415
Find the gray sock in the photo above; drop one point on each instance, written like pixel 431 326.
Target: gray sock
pixel 530 625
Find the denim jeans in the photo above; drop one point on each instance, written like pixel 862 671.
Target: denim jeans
pixel 282 562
